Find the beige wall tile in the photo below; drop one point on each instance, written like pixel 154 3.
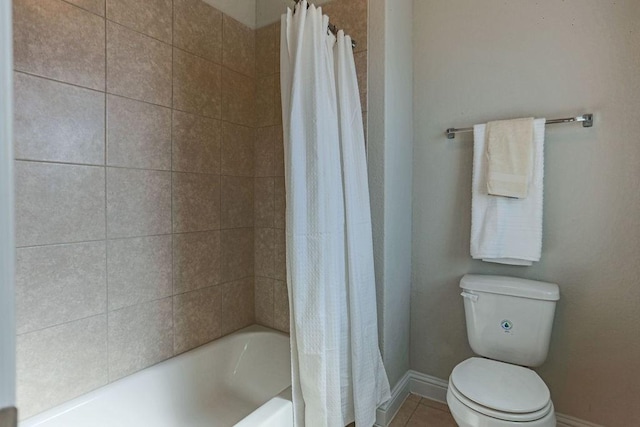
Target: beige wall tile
pixel 196 143
pixel 138 202
pixel 263 202
pixel 237 254
pixel 265 101
pixel 151 17
pixel 140 336
pixel 266 50
pixel 363 102
pixel 196 202
pixel 138 66
pixel 238 98
pixel 57 40
pixel 264 153
pixel 139 270
pixel 197 318
pixel 264 252
pixel 58 284
pixel 197 261
pixel 361 73
pixel 58 203
pixel 66 203
pixel 360 59
pixel 237 150
pixel 278 47
pixel 278 149
pixel 138 134
pixel 280 255
pixel 238 308
pixel 279 203
pixel 364 124
pixel 197 28
pixel 280 306
pixel 352 17
pixel 196 85
pixel 237 202
pixel 238 47
pixel 57 122
pixel 95 6
pixel 59 363
pixel 264 301
pixel 278 102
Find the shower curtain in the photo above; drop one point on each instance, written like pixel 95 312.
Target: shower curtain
pixel 337 371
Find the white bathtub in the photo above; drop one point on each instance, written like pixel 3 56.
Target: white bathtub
pixel 241 379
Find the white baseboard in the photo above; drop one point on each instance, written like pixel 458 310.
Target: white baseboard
pixel 436 389
pixel 389 409
pixel 428 386
pixel 567 421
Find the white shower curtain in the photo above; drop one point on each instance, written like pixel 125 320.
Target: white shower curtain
pixel 338 375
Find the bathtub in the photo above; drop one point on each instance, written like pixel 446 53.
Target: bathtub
pixel 240 380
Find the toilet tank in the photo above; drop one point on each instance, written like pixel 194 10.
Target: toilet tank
pixel 509 319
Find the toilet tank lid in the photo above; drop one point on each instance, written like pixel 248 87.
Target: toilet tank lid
pixel 512 286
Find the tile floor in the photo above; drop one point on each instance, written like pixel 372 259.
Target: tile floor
pixel 417 411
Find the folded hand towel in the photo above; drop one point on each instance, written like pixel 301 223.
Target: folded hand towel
pixel 504 230
pixel 509 156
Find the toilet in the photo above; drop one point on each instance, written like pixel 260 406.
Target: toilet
pixel 509 323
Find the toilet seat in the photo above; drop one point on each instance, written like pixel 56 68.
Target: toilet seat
pixel 505 416
pixel 467 417
pixel 500 390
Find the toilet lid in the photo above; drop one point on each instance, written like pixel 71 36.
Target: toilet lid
pixel 501 386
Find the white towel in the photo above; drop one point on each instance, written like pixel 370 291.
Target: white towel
pixel 504 230
pixel 509 153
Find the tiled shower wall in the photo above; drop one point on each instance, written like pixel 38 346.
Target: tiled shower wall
pixel 140 178
pixel 134 141
pixel 270 269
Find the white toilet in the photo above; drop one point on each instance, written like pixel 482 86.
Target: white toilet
pixel 509 323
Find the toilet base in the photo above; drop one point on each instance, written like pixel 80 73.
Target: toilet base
pixel 467 417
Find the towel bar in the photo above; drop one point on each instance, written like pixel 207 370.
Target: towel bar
pixel 586 119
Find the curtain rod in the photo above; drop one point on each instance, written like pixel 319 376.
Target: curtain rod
pixel 332 28
pixel 586 119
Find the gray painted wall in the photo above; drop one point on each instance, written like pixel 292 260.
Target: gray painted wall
pixel 7 252
pixel 553 59
pixel 390 148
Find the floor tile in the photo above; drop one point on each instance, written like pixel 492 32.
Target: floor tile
pixel 426 416
pixel 418 411
pixel 434 404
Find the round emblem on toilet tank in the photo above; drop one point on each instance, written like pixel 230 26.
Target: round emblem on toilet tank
pixel 506 325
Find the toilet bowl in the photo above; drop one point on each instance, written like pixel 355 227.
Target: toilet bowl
pixel 488 393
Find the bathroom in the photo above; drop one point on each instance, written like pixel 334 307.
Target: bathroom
pixel 143 214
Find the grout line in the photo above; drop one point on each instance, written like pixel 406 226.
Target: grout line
pixel 170 44
pixel 412 412
pixel 28 73
pixel 139 237
pixel 60 244
pixel 66 322
pixel 57 162
pixel 219 64
pixel 108 93
pixel 106 313
pixel 87 10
